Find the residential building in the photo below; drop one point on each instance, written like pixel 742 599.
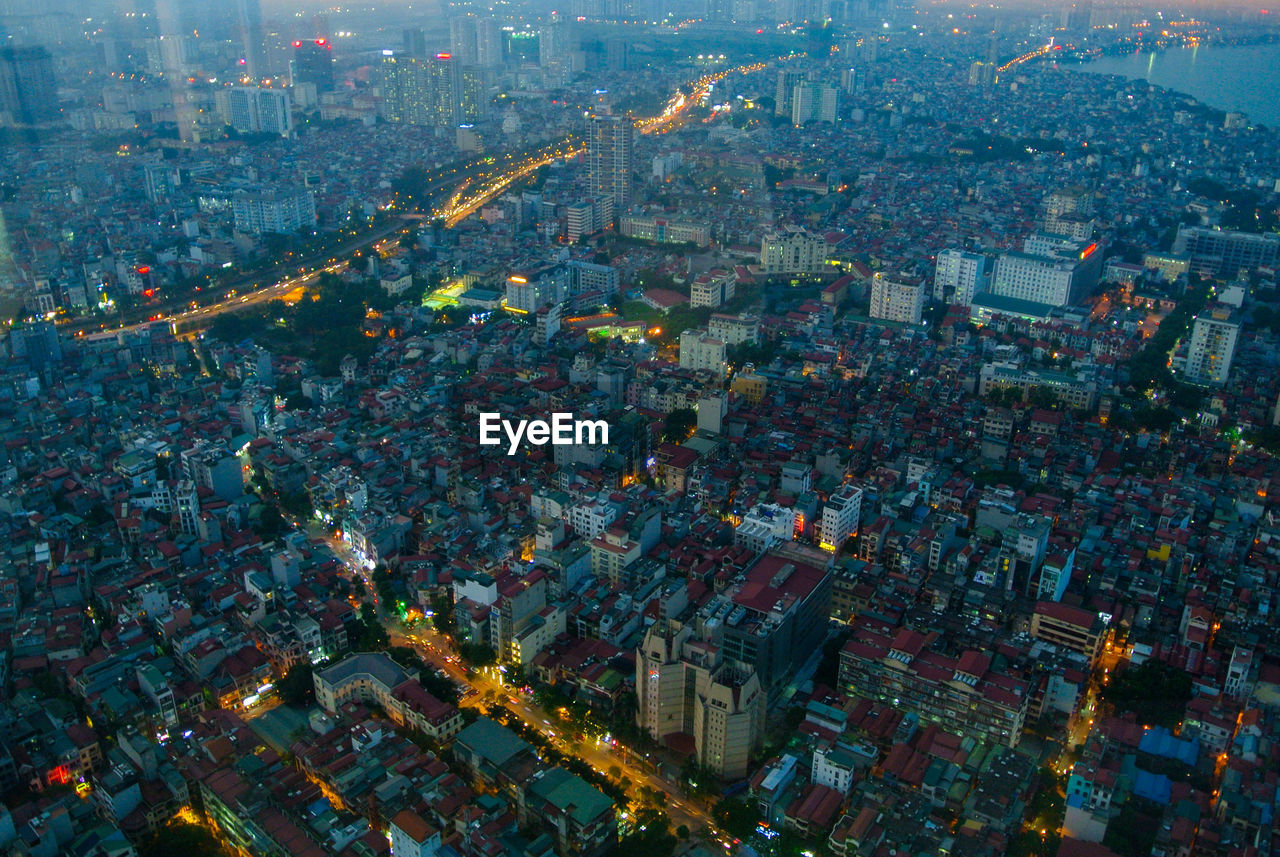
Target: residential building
pixel 900 298
pixel 960 275
pixel 1213 346
pixel 840 516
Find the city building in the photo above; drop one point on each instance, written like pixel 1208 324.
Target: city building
pixel 900 298
pixel 964 695
pixel 282 211
pixel 700 351
pixel 374 677
pixel 1213 346
pixel 683 689
pixel 256 110
pixel 960 275
pixel 792 250
pixel 1072 628
pixel 1052 270
pixel 814 102
pixel 609 156
pixel 840 517
pixel 420 90
pixel 313 64
pixel 664 230
pixel 1225 252
pixel 28 87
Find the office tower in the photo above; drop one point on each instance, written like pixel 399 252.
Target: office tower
pixel 249 27
pixel 462 39
pixel 685 688
pixel 555 49
pixel 960 275
pixel 617 54
pixel 1213 346
pixel 415 42
pixel 37 343
pixel 419 91
pixel 28 92
pixel 313 63
pixel 254 110
pixel 609 158
pixel 489 53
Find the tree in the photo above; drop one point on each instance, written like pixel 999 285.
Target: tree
pixel 679 424
pixel 297 687
pixel 736 817
pixel 1156 692
pixel 442 613
pixel 178 837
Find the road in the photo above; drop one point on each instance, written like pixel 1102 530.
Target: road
pixel 598 754
pixel 196 318
pixel 470 198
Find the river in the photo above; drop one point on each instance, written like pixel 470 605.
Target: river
pixel 1244 79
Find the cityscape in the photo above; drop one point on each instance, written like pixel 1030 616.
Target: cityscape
pixel 626 428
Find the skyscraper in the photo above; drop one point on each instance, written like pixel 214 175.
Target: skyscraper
pixel 28 92
pixel 462 39
pixel 313 63
pixel 419 91
pixel 489 53
pixel 415 42
pixel 609 159
pixel 249 26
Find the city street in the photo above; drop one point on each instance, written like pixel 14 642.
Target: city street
pixel 598 754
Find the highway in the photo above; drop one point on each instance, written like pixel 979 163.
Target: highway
pixel 599 754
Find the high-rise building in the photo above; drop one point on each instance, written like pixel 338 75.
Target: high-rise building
pixel 609 150
pixel 280 210
pixel 1225 252
pixel 1052 269
pixel 814 102
pixel 462 39
pixel 1213 346
pixel 313 63
pixel 960 275
pixel 489 53
pixel 470 95
pixel 249 26
pixel 840 518
pixel 28 91
pixel 254 110
pixel 684 688
pixel 419 91
pixel 900 298
pixel 414 42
